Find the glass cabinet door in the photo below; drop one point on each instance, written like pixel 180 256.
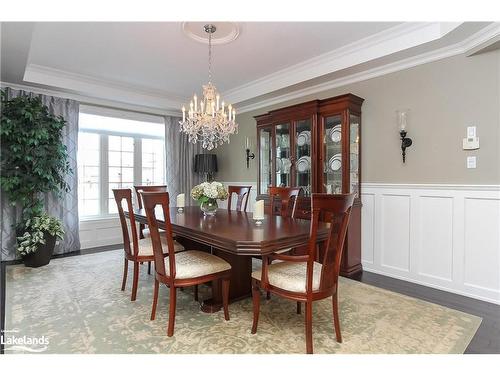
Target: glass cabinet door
pixel 332 151
pixel 354 121
pixel 303 165
pixel 283 155
pixel 266 158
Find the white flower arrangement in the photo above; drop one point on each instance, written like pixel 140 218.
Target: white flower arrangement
pixel 208 191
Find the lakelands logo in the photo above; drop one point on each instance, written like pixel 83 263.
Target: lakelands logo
pixel 11 340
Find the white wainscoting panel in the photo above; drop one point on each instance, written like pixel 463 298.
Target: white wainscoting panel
pixel 100 232
pixel 443 236
pixel 368 223
pixel 435 238
pixel 481 258
pixel 395 232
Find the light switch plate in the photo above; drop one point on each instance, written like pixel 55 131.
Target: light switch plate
pixel 471 162
pixel 471 132
pixel 471 142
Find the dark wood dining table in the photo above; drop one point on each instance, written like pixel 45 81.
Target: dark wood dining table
pixel 235 237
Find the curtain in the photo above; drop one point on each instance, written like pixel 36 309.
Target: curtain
pixel 64 208
pixel 179 154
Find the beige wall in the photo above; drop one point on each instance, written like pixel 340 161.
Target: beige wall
pixel 444 98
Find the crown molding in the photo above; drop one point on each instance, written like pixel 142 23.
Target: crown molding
pixel 89 100
pixel 488 33
pixel 482 39
pixel 386 42
pixel 102 89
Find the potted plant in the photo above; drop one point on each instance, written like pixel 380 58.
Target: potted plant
pixel 34 161
pixel 207 194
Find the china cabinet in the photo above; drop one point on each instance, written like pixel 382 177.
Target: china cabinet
pixel 317 146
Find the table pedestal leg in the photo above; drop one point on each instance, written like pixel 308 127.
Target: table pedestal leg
pixel 240 285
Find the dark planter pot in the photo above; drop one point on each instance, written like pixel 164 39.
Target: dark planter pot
pixel 42 256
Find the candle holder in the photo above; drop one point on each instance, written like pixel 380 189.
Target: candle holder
pixel 405 143
pixel 258 220
pixel 250 155
pixel 402 118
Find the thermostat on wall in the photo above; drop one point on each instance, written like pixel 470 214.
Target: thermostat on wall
pixel 471 142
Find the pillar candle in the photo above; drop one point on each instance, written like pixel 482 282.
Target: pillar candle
pixel 258 212
pixel 180 200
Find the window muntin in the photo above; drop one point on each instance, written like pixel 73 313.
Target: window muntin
pixel 113 154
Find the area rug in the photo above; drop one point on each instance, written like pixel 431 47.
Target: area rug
pixel 77 306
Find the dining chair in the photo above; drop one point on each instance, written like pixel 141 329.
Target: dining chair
pixel 136 250
pixel 143 232
pixel 299 277
pixel 243 193
pixel 302 208
pixel 281 199
pixel 187 268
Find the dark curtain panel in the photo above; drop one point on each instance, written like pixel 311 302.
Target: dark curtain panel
pixel 179 153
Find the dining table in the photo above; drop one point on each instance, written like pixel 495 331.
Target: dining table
pixel 235 237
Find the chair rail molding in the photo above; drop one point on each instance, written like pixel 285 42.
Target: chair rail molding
pixel 442 236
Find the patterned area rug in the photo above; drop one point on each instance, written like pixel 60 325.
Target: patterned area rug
pixel 76 302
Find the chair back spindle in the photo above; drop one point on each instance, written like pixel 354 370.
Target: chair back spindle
pixel 335 210
pixel 243 193
pixel 151 201
pixel 141 188
pixel 284 196
pixel 129 230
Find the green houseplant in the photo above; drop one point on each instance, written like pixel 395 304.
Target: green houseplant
pixel 34 161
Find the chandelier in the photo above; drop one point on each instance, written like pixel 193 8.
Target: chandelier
pixel 209 122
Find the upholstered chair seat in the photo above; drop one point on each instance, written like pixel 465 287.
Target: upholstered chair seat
pixel 284 251
pixel 193 263
pixel 146 246
pixel 291 276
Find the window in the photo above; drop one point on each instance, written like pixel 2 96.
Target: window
pixel 153 159
pixel 88 174
pixel 116 150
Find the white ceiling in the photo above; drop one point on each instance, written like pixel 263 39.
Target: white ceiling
pixel 155 65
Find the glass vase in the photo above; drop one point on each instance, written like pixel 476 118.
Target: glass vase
pixel 209 207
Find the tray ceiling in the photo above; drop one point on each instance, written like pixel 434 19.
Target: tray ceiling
pixel 156 65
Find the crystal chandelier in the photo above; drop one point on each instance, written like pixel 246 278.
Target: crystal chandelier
pixel 209 122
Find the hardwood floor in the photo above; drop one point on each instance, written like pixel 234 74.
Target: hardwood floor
pixel 486 340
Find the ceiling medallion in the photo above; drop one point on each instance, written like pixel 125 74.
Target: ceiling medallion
pixel 226 32
pixel 209 122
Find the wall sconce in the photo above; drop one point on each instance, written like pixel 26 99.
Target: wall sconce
pixel 402 123
pixel 250 155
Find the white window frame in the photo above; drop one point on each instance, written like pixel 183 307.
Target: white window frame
pixel 103 158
